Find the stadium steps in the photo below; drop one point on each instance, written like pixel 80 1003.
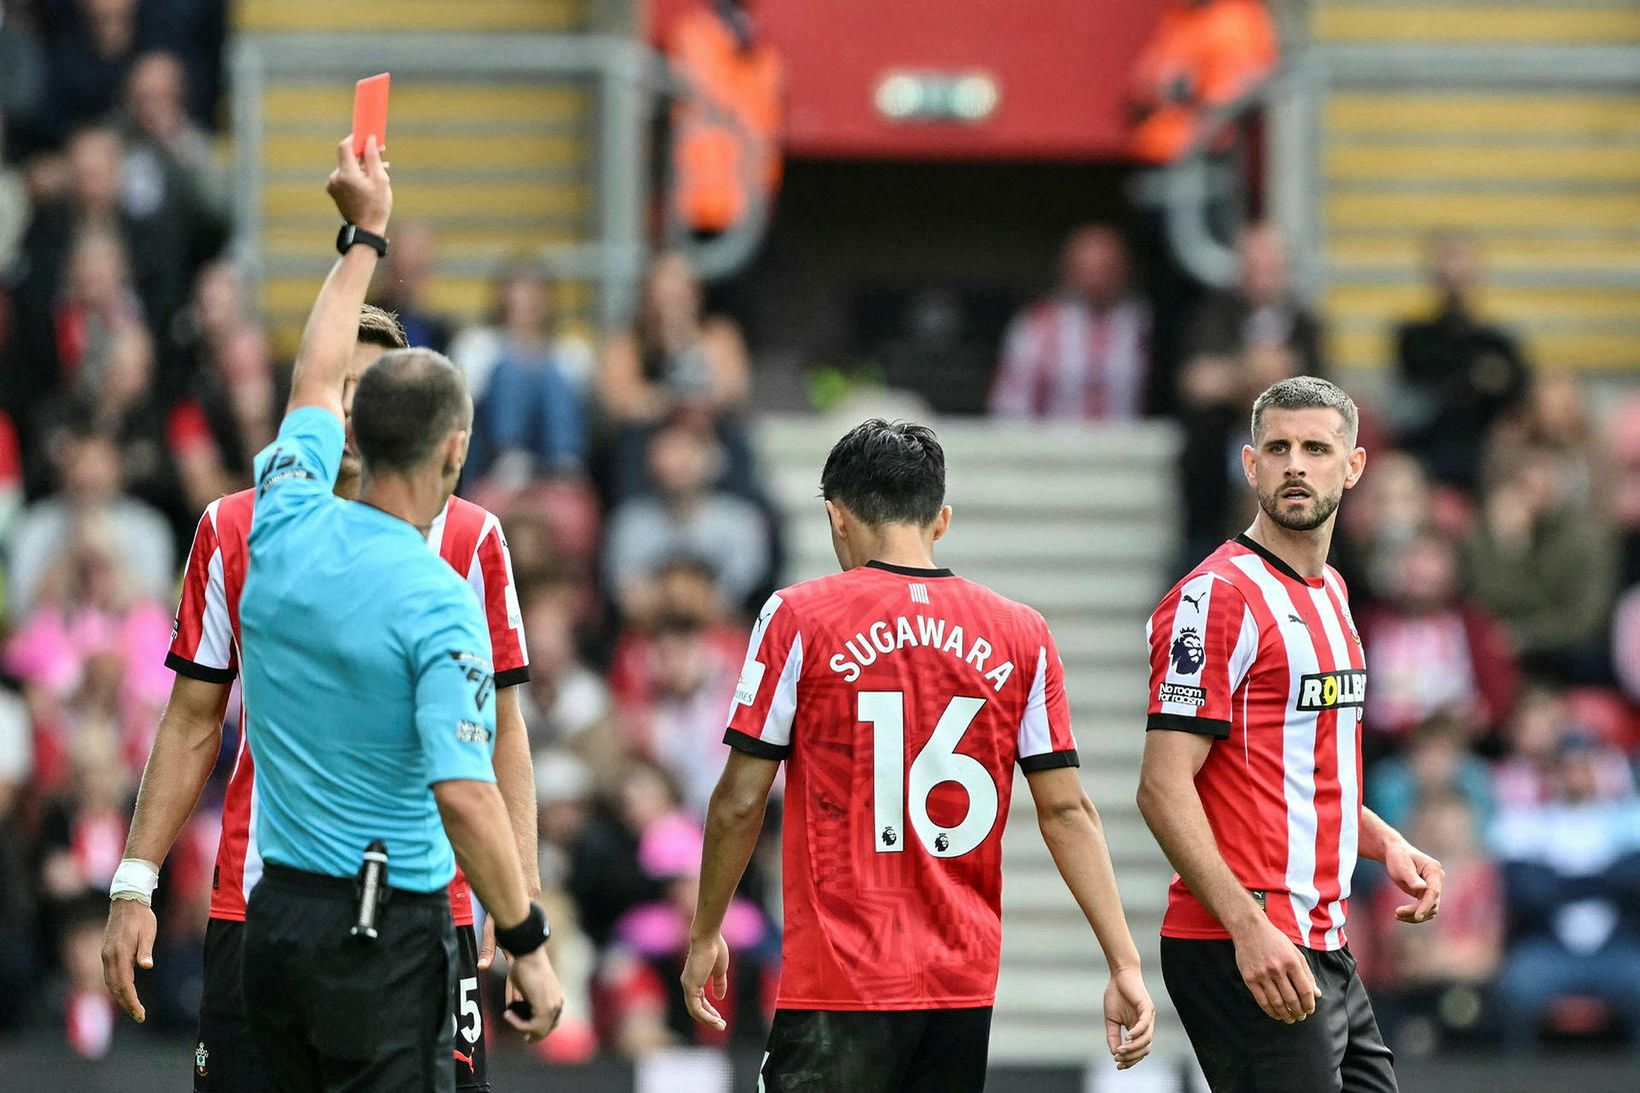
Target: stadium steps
pixel 1078 524
pixel 1548 177
pixel 499 167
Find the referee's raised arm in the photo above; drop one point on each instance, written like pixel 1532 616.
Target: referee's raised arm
pixel 364 196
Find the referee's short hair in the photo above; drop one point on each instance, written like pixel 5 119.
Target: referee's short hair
pixel 406 403
pixel 887 473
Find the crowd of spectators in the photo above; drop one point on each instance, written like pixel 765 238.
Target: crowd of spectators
pixel 1488 550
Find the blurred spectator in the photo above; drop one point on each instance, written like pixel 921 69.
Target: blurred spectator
pixel 219 306
pixel 91 652
pixel 1205 54
pixel 1390 507
pixel 605 879
pixel 1432 982
pixel 680 728
pixel 1436 761
pixel 676 360
pixel 563 794
pixel 170 166
pixel 1431 649
pixel 22 78
pixel 1545 567
pixel 91 493
pixel 1456 374
pixel 114 395
pixel 1555 421
pixel 1260 310
pixel 91 50
pixel 527 383
pixel 1572 868
pixel 685 515
pixel 97 300
pixel 726 124
pixel 683 586
pixel 89 1013
pixel 1082 354
pixel 231 412
pixel 652 941
pixel 1524 778
pixel 566 705
pixel 410 266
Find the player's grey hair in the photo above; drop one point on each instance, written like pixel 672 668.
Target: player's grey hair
pixel 1306 393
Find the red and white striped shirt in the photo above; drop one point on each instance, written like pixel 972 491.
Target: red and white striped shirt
pixel 1270 664
pixel 205 646
pixel 1063 360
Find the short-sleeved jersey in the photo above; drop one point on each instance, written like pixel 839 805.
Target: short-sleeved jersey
pixel 366 672
pixel 901 700
pixel 205 646
pixel 1270 665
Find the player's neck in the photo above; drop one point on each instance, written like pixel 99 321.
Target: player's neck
pixel 907 547
pixel 412 500
pixel 1304 551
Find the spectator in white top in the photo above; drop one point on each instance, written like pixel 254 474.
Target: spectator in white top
pixel 1083 353
pixel 91 490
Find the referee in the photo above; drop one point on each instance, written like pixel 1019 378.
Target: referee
pixel 369 695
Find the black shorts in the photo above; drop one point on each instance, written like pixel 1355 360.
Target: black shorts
pixel 877 1051
pixel 331 1012
pixel 1242 1049
pixel 467 1007
pixel 226 1059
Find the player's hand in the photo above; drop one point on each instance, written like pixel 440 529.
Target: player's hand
pixel 129 938
pixel 486 945
pixel 360 187
pixel 708 961
pixel 1128 1008
pixel 537 986
pixel 1418 875
pixel 1276 972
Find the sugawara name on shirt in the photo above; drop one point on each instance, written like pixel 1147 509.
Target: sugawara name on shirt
pixel 888 636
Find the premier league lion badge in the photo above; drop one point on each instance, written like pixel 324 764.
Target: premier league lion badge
pixel 1188 655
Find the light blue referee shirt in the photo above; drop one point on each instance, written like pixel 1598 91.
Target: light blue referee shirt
pixel 366 670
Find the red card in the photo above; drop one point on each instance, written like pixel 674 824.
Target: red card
pixel 370 111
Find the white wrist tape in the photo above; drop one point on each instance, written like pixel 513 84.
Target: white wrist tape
pixel 135 879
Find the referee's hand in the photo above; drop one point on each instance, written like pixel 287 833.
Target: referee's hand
pixel 537 986
pixel 128 943
pixel 1276 972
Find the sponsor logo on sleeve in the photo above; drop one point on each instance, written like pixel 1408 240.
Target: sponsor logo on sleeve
pixel 1181 694
pixel 280 467
pixel 750 680
pixel 471 732
pixel 1338 690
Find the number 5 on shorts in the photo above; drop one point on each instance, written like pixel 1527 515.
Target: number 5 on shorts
pixel 939 761
pixel 469 1009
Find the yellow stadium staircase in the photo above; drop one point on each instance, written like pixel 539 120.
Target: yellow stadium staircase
pixel 494 137
pixel 1516 119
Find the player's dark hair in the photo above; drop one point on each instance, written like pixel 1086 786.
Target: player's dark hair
pixel 378 326
pixel 1307 393
pixel 887 472
pixel 406 404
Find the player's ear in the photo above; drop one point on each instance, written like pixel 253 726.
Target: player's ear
pixel 1358 466
pixel 942 523
pixel 1249 462
pixel 839 526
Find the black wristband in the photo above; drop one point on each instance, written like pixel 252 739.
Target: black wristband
pixel 527 936
pixel 352 236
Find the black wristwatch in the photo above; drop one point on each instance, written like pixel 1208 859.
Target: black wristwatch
pixel 527 936
pixel 352 235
